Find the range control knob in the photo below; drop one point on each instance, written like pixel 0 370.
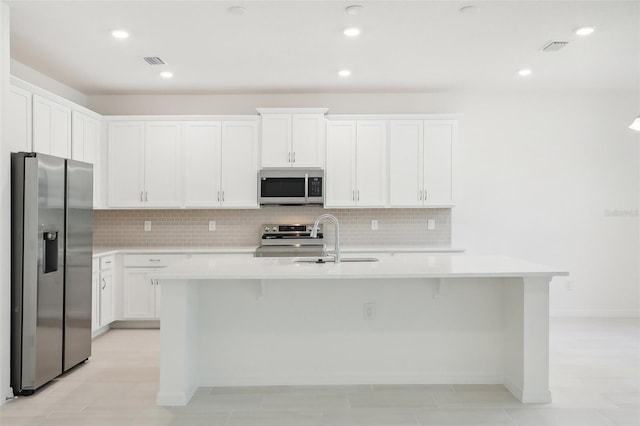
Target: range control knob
pixel 274 229
pixel 266 229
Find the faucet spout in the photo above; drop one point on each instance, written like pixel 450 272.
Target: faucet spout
pixel 314 232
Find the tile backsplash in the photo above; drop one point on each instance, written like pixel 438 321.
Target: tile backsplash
pixel 190 228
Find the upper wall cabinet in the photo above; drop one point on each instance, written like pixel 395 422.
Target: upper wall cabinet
pixel 18 120
pixel 85 132
pixel 356 173
pixel 421 162
pixel 51 127
pixel 144 164
pixel 293 139
pixel 220 163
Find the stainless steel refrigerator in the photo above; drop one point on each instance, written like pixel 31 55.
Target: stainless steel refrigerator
pixel 52 244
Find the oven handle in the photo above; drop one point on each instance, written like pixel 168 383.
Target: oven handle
pixel 306 187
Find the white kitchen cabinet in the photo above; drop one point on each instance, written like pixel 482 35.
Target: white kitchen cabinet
pixel 421 162
pixel 51 127
pixel 293 140
pixel 18 120
pixel 106 297
pixel 220 164
pixel 141 294
pixel 85 132
pixel 144 164
pixel 356 163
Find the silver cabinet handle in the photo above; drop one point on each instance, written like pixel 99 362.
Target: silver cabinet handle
pixel 154 260
pixel 420 194
pixel 289 160
pixel 141 196
pixel 107 261
pixel 424 197
pixel 358 197
pixel 353 195
pixel 218 195
pixel 151 281
pixel 294 156
pixel 146 196
pixel 104 284
pixel 223 196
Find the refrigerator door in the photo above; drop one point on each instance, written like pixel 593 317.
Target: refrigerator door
pixel 38 270
pixel 79 252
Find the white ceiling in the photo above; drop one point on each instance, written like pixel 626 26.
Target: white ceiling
pixel 298 46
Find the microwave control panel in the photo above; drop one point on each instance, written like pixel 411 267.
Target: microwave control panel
pixel 315 187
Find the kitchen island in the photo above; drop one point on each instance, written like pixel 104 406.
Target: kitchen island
pixel 408 318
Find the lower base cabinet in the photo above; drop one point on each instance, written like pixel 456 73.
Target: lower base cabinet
pixel 102 297
pixel 140 293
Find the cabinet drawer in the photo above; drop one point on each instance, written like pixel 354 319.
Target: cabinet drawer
pixel 152 260
pixel 107 262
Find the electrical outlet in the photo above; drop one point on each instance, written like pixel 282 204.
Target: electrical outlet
pixel 212 225
pixel 147 225
pixel 374 225
pixel 369 311
pixel 431 224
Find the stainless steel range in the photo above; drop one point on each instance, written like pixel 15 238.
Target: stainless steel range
pixel 290 241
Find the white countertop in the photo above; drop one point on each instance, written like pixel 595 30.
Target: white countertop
pixel 251 249
pixel 405 265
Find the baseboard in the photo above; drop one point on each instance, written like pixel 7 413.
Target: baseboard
pixel 445 378
pixel 528 397
pixel 136 324
pixel 173 399
pixel 589 313
pixel 99 332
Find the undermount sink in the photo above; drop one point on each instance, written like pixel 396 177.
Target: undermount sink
pixel 330 259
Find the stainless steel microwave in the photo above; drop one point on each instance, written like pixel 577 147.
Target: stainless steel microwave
pixel 292 186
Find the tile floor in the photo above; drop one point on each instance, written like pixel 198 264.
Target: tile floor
pixel 595 376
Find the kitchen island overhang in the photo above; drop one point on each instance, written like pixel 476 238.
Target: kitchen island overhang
pixel 440 318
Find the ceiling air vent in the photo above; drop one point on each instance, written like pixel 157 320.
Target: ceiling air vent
pixel 554 46
pixel 153 60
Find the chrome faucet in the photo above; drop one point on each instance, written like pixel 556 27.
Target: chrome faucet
pixel 314 232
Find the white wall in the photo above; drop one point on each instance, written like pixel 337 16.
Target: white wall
pixel 540 176
pixel 5 210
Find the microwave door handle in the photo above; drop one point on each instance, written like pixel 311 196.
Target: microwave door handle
pixel 306 187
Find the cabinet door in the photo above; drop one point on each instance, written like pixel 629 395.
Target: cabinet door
pixel 138 294
pixel 276 140
pixel 308 140
pixel 42 116
pixel 106 298
pixel 162 150
pixel 18 120
pixel 340 171
pixel 405 163
pixel 95 301
pixel 51 128
pixel 202 161
pixel 371 163
pixel 84 137
pixel 239 164
pixel 125 165
pixel 439 138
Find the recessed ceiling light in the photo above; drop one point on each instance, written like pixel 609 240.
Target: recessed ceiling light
pixel 236 10
pixel 344 73
pixel 120 34
pixel 524 72
pixel 166 74
pixel 352 32
pixel 585 31
pixel 354 10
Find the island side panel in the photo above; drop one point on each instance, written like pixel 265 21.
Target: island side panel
pixel 313 331
pixel 178 342
pixel 527 338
